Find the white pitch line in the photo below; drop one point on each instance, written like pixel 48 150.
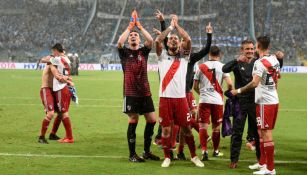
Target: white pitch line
pixel 78 106
pixel 60 156
pixel 119 106
pixel 122 157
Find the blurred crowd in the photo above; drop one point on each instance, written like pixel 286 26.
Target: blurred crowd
pixel 30 27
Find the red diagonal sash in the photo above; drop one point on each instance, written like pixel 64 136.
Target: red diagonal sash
pixel 66 66
pixel 209 74
pixel 270 69
pixel 170 74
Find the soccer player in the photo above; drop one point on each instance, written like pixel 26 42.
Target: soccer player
pixel 265 75
pixel 137 94
pixel 208 84
pixel 173 107
pixel 194 57
pixel 60 64
pixel 48 99
pixel 242 68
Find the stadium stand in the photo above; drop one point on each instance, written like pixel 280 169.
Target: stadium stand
pixel 30 27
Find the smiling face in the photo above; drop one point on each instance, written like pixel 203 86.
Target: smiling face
pixel 248 50
pixel 173 42
pixel 134 39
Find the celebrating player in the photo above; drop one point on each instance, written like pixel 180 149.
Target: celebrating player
pixel 60 64
pixel 173 108
pixel 48 100
pixel 265 75
pixel 208 84
pixel 137 95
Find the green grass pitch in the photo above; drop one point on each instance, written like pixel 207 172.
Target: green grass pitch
pixel 99 128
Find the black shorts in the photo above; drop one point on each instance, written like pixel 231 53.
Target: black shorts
pixel 139 105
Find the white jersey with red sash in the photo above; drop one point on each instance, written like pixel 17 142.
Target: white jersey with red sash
pixel 172 71
pixel 210 77
pixel 63 65
pixel 267 68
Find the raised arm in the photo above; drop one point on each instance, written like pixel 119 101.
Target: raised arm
pixel 159 40
pixel 186 45
pixel 204 51
pixel 280 56
pixel 160 17
pixel 123 37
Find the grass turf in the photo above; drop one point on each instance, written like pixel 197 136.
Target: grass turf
pixel 99 128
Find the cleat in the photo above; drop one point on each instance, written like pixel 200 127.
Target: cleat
pixel 135 158
pixel 257 166
pixel 233 165
pixel 204 156
pixel 265 171
pixel 197 162
pixel 150 156
pixel 54 137
pixel 217 154
pixel 42 140
pixel 251 145
pixel 166 163
pixel 66 140
pixel 181 156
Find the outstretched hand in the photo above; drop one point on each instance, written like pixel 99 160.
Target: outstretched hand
pixel 174 20
pixel 209 28
pixel 279 54
pixel 159 15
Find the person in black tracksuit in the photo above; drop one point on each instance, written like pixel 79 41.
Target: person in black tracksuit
pixel 194 58
pixel 242 69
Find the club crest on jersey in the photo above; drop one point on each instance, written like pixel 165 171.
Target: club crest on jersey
pixel 129 107
pixel 139 57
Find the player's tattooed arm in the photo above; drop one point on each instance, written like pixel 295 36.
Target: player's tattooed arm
pixel 159 40
pixel 196 86
pixel 187 44
pixel 251 85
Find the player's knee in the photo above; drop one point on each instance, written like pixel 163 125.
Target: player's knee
pixel 187 131
pixel 50 114
pixel 166 131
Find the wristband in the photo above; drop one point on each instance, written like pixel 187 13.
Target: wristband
pixel 239 91
pixel 171 28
